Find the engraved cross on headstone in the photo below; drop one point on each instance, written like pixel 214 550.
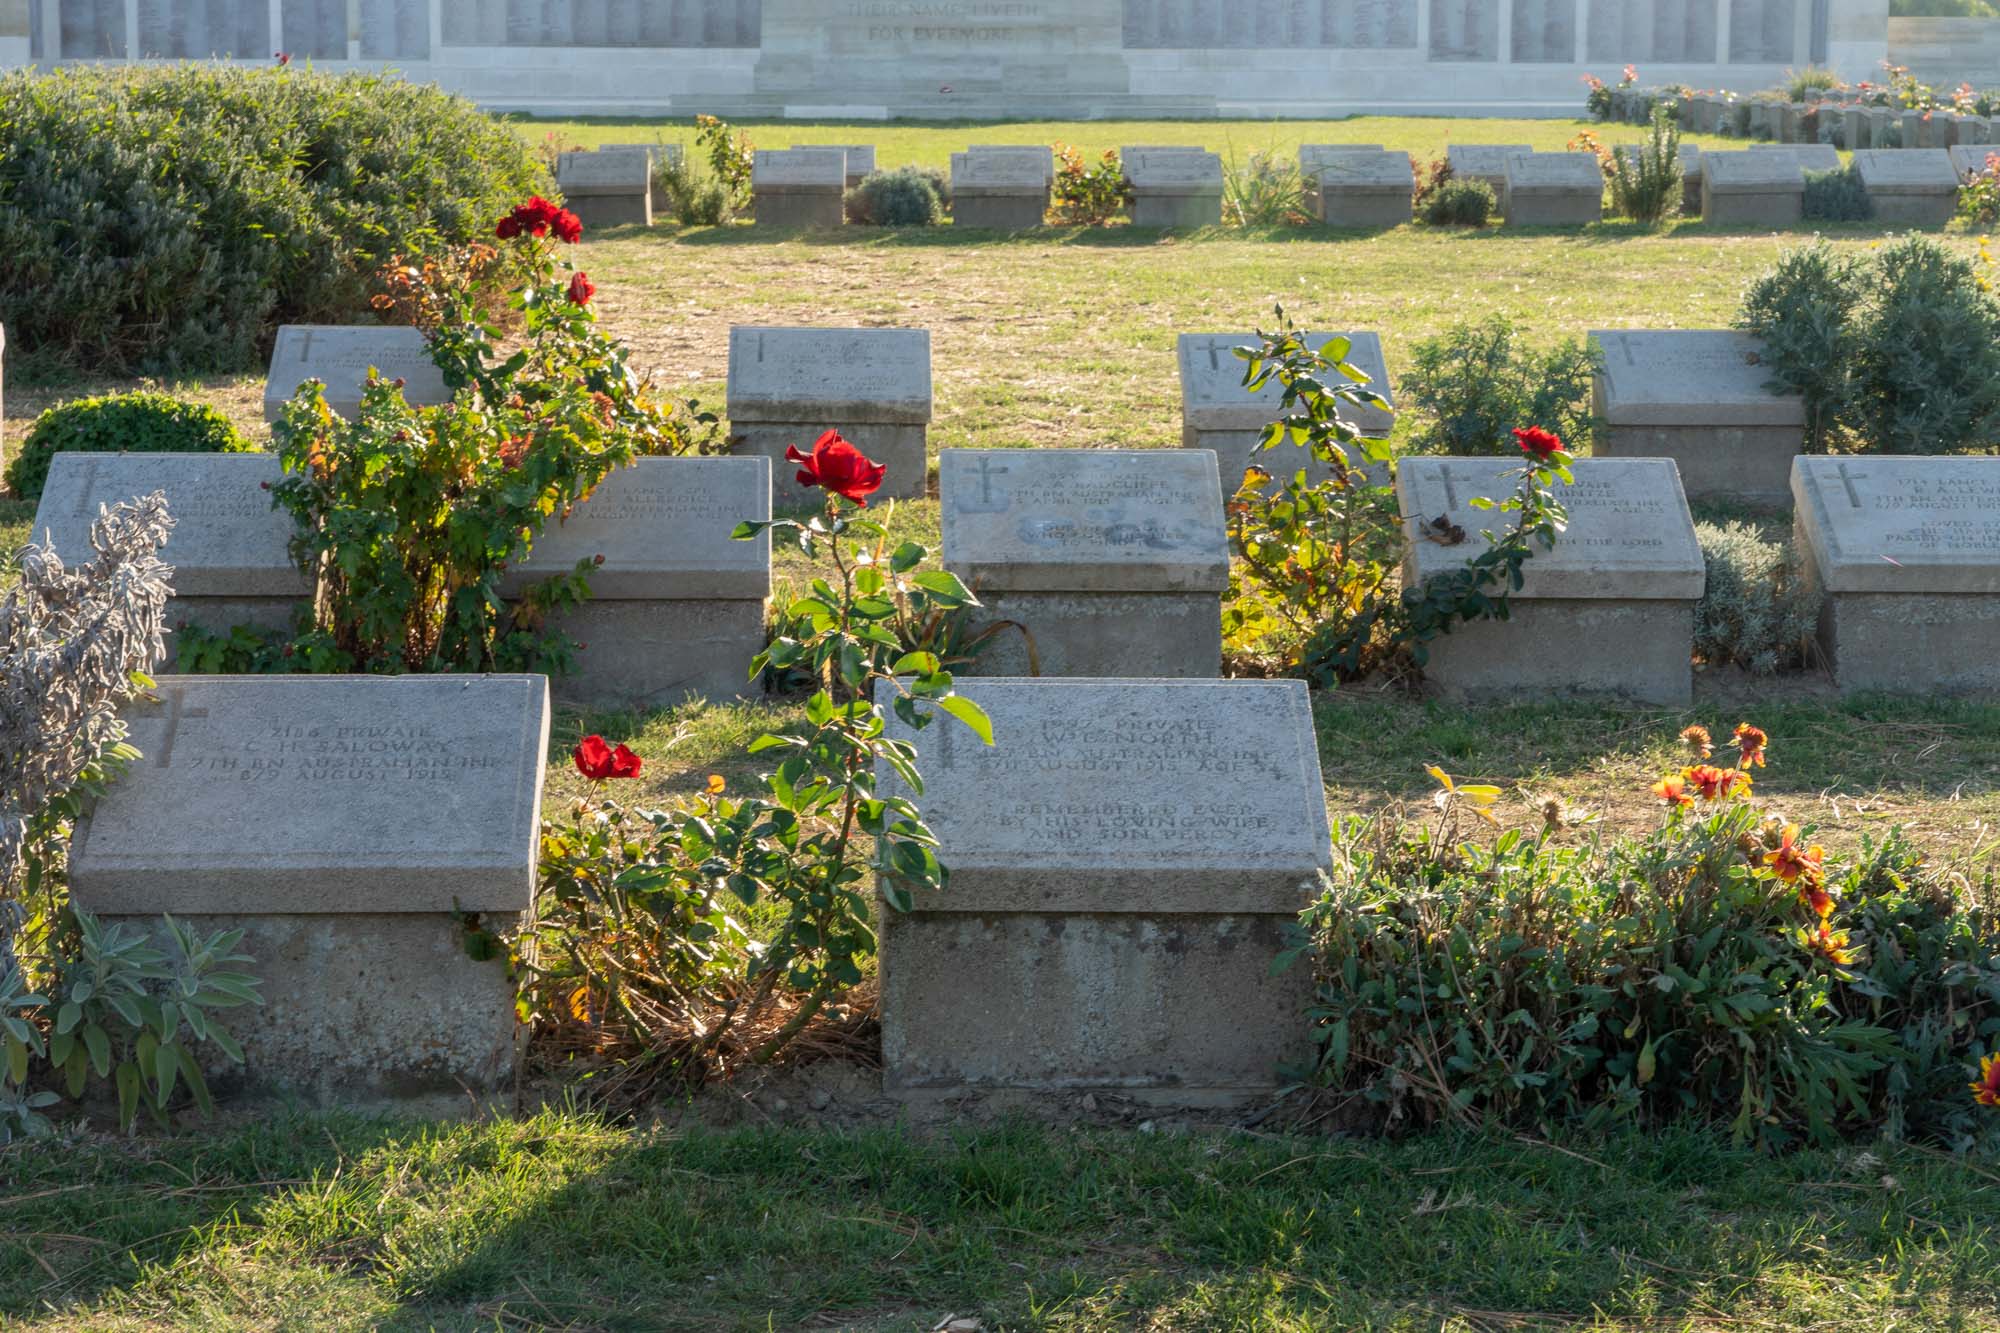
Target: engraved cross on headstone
pixel 175 712
pixel 88 490
pixel 1848 479
pixel 986 474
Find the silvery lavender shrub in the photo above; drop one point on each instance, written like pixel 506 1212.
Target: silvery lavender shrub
pixel 74 645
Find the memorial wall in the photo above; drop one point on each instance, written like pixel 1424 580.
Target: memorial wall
pixel 987 58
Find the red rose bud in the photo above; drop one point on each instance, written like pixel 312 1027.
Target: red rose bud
pixel 1540 445
pixel 581 289
pixel 597 760
pixel 839 467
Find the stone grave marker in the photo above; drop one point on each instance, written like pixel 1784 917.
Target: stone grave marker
pixel 1912 187
pixel 677 608
pixel 612 187
pixel 1218 413
pixel 1365 190
pixel 1856 129
pixel 799 187
pixel 1973 130
pixel 340 355
pixel 789 385
pixel 1809 156
pixel 1554 189
pixel 1484 162
pixel 1314 156
pixel 1969 159
pixel 1752 189
pixel 1001 191
pixel 1039 153
pixel 1608 611
pixel 860 159
pixel 1114 560
pixel 342 822
pixel 1698 396
pixel 1181 188
pixel 1906 551
pixel 229 549
pixel 1125 859
pixel 663 154
pixel 1885 126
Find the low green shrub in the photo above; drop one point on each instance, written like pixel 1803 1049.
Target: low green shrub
pixel 1720 969
pixel 145 422
pixel 168 217
pixel 1837 196
pixel 1756 611
pixel 904 197
pixel 1646 180
pixel 1460 202
pixel 698 197
pixel 1265 191
pixel 1803 310
pixel 1472 385
pixel 1806 85
pixel 1088 194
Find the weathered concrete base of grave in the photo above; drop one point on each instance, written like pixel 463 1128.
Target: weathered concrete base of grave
pixel 1236 450
pixel 1372 210
pixel 899 447
pixel 652 654
pixel 1926 643
pixel 1784 209
pixel 1553 210
pixel 799 210
pixel 1636 650
pixel 1177 210
pixel 612 210
pixel 1177 635
pixel 1178 1008
pixel 1751 464
pixel 1914 210
pixel 361 1008
pixel 999 212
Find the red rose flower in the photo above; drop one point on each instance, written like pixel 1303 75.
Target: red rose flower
pixel 1540 445
pixel 839 467
pixel 567 226
pixel 509 228
pixel 581 289
pixel 597 760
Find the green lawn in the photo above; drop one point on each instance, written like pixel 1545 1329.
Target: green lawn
pixel 561 1222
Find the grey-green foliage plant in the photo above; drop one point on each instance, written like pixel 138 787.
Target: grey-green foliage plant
pixel 1472 385
pixel 1898 350
pixel 1646 179
pixel 131 1012
pixel 1460 202
pixel 1837 196
pixel 1756 611
pixel 1803 310
pixel 904 197
pixel 699 197
pixel 1267 190
pixel 21 1104
pixel 134 423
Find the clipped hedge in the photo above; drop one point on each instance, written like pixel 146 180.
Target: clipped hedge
pixel 145 422
pixel 168 218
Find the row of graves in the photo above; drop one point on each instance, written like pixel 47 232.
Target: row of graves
pixel 1127 855
pixel 1837 122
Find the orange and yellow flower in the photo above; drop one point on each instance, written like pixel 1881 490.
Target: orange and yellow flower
pixel 1673 790
pixel 1699 741
pixel 1987 1090
pixel 1750 743
pixel 1795 863
pixel 1712 783
pixel 1830 944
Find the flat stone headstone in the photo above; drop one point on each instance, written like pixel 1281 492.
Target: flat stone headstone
pixel 1554 189
pixel 801 169
pixel 1363 189
pixel 1385 171
pixel 607 171
pixel 1483 161
pixel 976 172
pixel 1180 171
pixel 1218 413
pixel 340 355
pixel 660 152
pixel 1906 551
pixel 1114 560
pixel 860 159
pixel 229 547
pixel 1040 154
pixel 677 607
pixel 341 822
pixel 1699 397
pixel 1810 157
pixel 1750 188
pixel 1914 186
pixel 787 385
pixel 1753 170
pixel 1125 859
pixel 1314 156
pixel 1609 610
pixel 1969 159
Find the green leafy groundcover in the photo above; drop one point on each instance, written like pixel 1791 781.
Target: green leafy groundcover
pixel 168 218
